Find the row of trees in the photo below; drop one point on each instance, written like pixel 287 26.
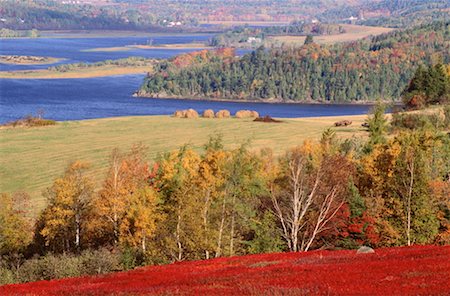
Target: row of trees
pixel 361 71
pixel 387 191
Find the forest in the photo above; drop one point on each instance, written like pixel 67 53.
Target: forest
pixel 390 189
pixel 376 68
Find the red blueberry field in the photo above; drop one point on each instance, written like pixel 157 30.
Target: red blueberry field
pixel 418 270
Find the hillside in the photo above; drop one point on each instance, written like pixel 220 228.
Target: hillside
pixel 418 270
pixel 366 70
pixel 390 13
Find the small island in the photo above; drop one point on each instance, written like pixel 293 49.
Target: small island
pixel 179 46
pixel 131 65
pixel 28 60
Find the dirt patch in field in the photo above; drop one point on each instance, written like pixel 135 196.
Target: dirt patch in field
pixel 267 119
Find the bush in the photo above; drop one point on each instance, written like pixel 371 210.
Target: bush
pixel 416 121
pixel 208 113
pixel 6 276
pixel 48 267
pixel 191 113
pixel 246 114
pixel 99 262
pixel 447 115
pixel 223 114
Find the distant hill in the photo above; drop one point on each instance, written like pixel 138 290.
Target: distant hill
pixel 144 14
pixel 366 70
pixel 418 270
pixel 390 13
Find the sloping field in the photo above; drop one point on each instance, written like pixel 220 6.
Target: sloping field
pixel 419 270
pixel 31 158
pixel 353 32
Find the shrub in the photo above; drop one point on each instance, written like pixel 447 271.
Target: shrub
pixel 447 115
pixel 6 276
pixel 179 113
pixel 416 121
pixel 191 113
pixel 31 121
pixel 99 262
pixel 223 114
pixel 246 114
pixel 208 113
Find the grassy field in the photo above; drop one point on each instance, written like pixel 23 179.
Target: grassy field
pixel 31 158
pixel 101 71
pixel 353 32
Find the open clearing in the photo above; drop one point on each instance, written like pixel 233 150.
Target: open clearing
pixel 418 270
pixel 100 71
pixel 31 158
pixel 353 32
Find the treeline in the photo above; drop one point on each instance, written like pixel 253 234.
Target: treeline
pixel 239 37
pixel 52 15
pixel 126 62
pixel 390 190
pixel 6 33
pixel 379 67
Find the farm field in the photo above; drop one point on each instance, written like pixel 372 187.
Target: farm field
pixel 33 157
pixel 417 270
pixel 353 32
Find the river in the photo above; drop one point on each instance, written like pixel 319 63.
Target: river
pixel 74 99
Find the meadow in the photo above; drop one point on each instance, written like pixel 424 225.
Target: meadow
pixel 33 157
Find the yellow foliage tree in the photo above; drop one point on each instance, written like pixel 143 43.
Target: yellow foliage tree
pixel 69 201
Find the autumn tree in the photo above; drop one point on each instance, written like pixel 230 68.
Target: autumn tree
pixel 176 177
pixel 69 202
pixel 126 206
pixel 15 227
pixel 308 192
pixel 377 126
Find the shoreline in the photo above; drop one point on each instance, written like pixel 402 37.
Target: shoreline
pixel 269 101
pixel 73 34
pixel 126 117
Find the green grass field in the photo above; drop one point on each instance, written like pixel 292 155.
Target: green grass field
pixel 31 158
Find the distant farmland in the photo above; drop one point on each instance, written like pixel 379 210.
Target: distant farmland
pixel 353 32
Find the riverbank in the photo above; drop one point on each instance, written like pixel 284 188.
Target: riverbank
pixel 259 101
pixel 33 157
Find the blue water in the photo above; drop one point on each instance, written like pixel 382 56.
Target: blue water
pixel 73 99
